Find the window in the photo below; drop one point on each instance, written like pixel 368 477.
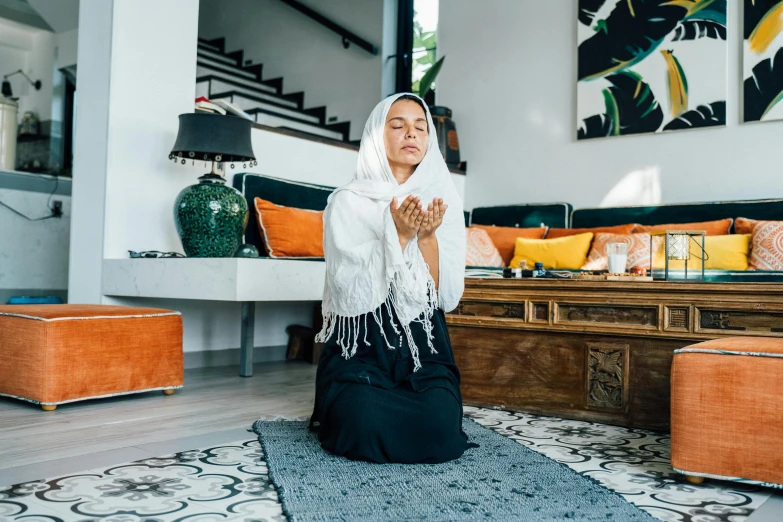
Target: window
pixel 425 42
pixel 417 38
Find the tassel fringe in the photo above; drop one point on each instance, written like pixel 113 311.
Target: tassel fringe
pixel 347 328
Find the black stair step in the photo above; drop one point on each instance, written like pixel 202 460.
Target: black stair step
pixel 237 56
pixel 220 43
pixel 276 83
pixel 297 97
pixel 216 56
pixel 257 69
pixel 228 69
pixel 306 124
pixel 227 94
pixel 272 113
pixel 318 137
pixel 212 77
pixel 344 127
pixel 318 112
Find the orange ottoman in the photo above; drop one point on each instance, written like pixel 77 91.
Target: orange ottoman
pixel 53 354
pixel 727 410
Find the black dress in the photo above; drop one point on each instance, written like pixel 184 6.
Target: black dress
pixel 374 407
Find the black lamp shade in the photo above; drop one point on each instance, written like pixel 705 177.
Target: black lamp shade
pixel 7 92
pixel 213 137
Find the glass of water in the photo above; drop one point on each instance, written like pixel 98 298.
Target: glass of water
pixel 617 253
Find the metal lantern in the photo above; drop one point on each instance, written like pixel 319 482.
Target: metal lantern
pixel 677 246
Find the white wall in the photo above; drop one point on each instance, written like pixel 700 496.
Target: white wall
pixel 512 91
pixel 307 55
pixel 67 46
pixel 125 187
pixel 33 255
pixel 91 152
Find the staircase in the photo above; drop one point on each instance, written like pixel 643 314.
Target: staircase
pixel 222 76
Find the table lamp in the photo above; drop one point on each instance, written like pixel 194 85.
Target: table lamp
pixel 210 216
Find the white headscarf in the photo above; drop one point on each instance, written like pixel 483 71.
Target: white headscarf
pixel 365 266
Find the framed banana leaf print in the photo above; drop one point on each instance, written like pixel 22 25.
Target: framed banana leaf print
pixel 763 63
pixel 647 66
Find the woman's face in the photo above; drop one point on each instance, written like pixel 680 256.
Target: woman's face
pixel 405 135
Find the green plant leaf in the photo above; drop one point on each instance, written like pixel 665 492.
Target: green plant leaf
pixel 764 89
pixel 677 83
pixel 711 115
pixel 712 10
pixel 755 11
pixel 633 30
pixel 429 78
pixel 612 112
pixel 695 29
pixel 632 109
pixel 596 126
pixel 587 10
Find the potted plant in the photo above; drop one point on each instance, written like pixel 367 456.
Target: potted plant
pixel 448 141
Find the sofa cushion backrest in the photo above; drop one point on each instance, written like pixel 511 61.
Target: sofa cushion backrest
pixel 523 216
pixel 770 209
pixel 280 191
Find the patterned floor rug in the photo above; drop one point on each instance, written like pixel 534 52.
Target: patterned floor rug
pixel 230 482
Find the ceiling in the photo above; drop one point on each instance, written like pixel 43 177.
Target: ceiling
pixel 56 16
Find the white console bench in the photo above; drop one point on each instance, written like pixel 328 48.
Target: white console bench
pixel 219 279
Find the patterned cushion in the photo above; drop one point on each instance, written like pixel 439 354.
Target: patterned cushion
pixel 505 238
pixel 767 246
pixel 481 251
pixel 638 251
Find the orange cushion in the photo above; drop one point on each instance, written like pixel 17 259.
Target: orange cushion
pixel 725 409
pixel 480 249
pixel 554 233
pixel 290 232
pixel 744 225
pixel 719 227
pixel 766 247
pixel 505 238
pixel 638 251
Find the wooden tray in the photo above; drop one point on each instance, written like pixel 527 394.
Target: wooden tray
pixel 612 277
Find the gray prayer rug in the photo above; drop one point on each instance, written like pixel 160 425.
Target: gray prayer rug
pixel 500 480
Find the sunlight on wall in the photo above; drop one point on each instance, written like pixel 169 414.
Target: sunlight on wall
pixel 640 187
pixel 536 117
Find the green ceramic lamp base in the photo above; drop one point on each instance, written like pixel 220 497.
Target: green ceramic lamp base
pixel 210 218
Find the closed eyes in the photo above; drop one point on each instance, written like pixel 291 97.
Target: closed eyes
pixel 417 128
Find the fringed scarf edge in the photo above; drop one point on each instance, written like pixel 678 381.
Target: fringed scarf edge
pixel 347 327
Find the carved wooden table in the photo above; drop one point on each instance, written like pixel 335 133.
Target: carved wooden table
pixel 595 351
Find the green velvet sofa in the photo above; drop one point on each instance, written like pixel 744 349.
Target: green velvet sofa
pixel 555 215
pixel 313 197
pixel 762 209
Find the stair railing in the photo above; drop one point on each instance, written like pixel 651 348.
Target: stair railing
pixel 348 36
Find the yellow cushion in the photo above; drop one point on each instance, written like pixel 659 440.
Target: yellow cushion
pixel 563 252
pixel 726 252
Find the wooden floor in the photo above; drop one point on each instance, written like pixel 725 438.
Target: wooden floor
pixel 213 400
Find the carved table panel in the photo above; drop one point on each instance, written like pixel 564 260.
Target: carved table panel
pixel 595 350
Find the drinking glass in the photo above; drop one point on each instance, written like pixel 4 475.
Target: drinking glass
pixel 617 253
